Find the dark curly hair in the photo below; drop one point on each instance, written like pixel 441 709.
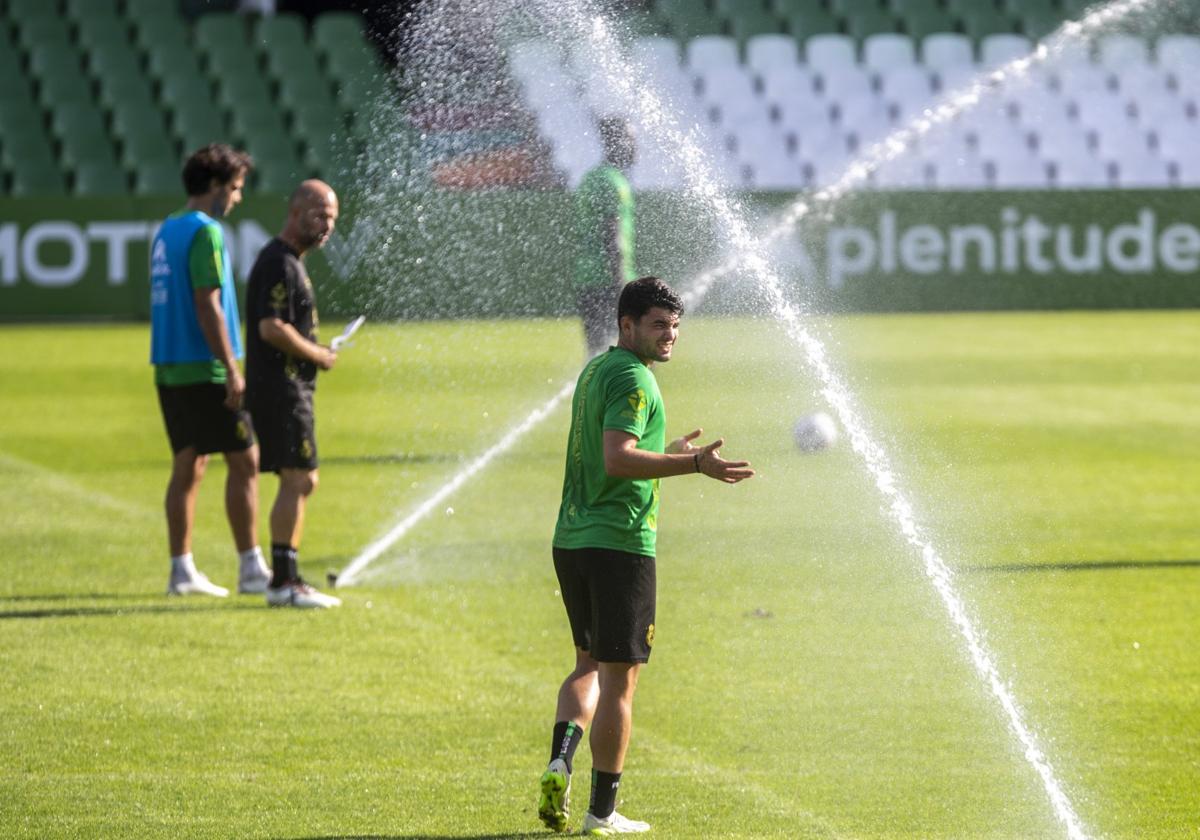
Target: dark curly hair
pixel 641 295
pixel 215 162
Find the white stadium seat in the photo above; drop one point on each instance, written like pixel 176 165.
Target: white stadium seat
pixel 947 49
pixel 1179 54
pixel 964 172
pixel 885 51
pixel 656 52
pixel 1080 172
pixel 910 84
pixel 1121 139
pixel 1097 108
pixel 830 53
pixel 1017 172
pixel 851 83
pixel 783 83
pixel 1118 51
pixel 1000 48
pixel 764 52
pixel 956 78
pixel 711 51
pixel 1142 172
pixel 1066 141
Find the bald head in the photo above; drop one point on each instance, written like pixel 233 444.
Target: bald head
pixel 312 214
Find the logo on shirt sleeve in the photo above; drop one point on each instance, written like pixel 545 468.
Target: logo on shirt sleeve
pixel 278 299
pixel 637 405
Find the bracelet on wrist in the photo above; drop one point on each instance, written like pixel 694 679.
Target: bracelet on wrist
pixel 696 461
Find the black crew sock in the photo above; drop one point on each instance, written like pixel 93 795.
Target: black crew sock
pixel 564 742
pixel 604 793
pixel 283 564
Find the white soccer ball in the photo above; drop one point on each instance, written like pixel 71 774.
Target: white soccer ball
pixel 814 432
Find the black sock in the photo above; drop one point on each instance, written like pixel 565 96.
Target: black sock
pixel 283 564
pixel 604 793
pixel 566 738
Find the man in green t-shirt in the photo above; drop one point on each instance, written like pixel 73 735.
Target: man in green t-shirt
pixel 604 230
pixel 604 545
pixel 195 345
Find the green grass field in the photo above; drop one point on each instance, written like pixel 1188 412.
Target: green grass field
pixel 806 681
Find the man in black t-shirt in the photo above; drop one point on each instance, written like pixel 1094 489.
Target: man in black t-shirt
pixel 282 359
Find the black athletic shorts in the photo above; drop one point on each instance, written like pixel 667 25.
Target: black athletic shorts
pixel 610 601
pixel 598 309
pixel 196 416
pixel 287 435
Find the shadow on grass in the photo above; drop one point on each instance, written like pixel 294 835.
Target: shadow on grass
pixel 1084 566
pixel 87 612
pixel 386 458
pixel 517 836
pixel 79 596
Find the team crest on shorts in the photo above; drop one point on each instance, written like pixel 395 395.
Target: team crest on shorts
pixel 306 448
pixel 650 636
pixel 243 432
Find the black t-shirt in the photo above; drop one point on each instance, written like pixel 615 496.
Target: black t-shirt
pixel 279 288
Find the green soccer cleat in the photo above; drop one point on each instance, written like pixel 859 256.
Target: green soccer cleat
pixel 553 805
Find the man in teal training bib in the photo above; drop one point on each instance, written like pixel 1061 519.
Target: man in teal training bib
pixel 604 545
pixel 195 345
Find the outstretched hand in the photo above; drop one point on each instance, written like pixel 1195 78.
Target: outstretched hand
pixel 710 462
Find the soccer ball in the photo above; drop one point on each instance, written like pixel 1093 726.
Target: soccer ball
pixel 814 432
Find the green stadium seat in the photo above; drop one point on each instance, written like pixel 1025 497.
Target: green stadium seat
pixel 19 10
pixel 148 147
pixel 282 62
pixel 244 92
pixel 219 32
pixel 82 120
pixel 129 120
pixel 14 85
pixel 162 33
pixel 1038 25
pixel 279 32
pixel 643 23
pixel 77 150
pixel 333 31
pixel 195 129
pixel 163 63
pixel 903 8
pixel 786 8
pixel 733 8
pixel 64 87
pixel 103 32
pixel 299 93
pixel 157 179
pixel 258 124
pixel 1020 8
pixel 854 8
pixel 359 93
pixel 114 61
pixel 311 126
pixel 151 9
pixel 873 23
pixel 746 24
pixel 42 33
pixel 19 115
pixel 86 10
pixel 984 21
pixel 918 25
pixel 119 94
pixel 98 179
pixel 181 91
pixel 803 25
pixel 36 180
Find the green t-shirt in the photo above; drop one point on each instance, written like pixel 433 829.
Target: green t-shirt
pixel 615 391
pixel 603 193
pixel 205 258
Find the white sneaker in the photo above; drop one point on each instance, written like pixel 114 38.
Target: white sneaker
pixel 253 579
pixel 614 823
pixel 197 584
pixel 297 593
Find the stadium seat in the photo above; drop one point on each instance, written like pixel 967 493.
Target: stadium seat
pixel 711 51
pixel 809 23
pixel 999 49
pixel 854 8
pixel 104 33
pixel 162 33
pixel 86 10
pixel 786 8
pixel 1178 53
pixel 43 33
pixel 874 23
pixel 1018 171
pixel 766 51
pixel 155 179
pixel 1038 25
pixel 947 49
pixel 752 23
pixel 887 51
pixel 127 93
pixel 981 21
pixel 830 53
pixel 36 180
pixel 283 31
pixel 920 25
pixel 93 178
pixel 1080 173
pixel 792 83
pixel 957 172
pixel 1117 52
pixel 1141 173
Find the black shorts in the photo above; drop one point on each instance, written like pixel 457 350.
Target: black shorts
pixel 287 433
pixel 610 601
pixel 196 416
pixel 598 309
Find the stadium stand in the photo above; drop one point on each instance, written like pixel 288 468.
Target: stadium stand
pixel 785 106
pixel 101 97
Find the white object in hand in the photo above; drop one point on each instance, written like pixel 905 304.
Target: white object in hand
pixel 350 330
